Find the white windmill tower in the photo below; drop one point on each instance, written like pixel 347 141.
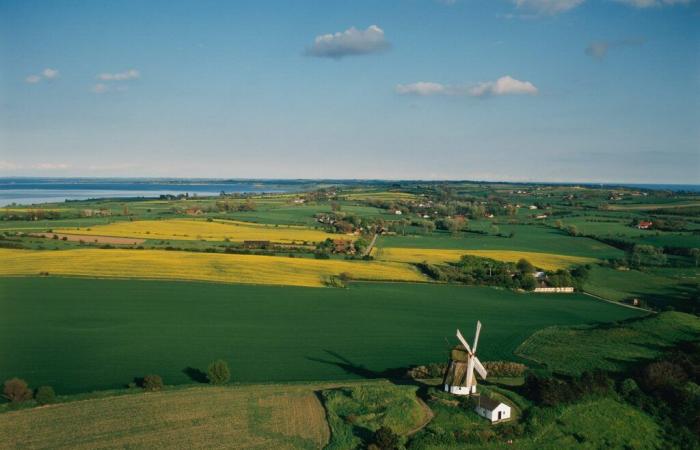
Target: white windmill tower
pixel 459 376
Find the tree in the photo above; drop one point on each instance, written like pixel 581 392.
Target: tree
pixel 152 383
pixel 218 372
pixel 335 206
pixel 662 373
pixel 647 255
pixel 572 230
pixel 45 395
pixel 528 283
pixel 695 254
pixel 525 266
pixel 16 390
pixel 385 439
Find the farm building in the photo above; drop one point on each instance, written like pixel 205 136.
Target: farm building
pixel 343 246
pixel 491 409
pixel 644 225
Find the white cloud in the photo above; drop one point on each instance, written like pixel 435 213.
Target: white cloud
pixel 130 74
pixel 46 74
pixel 50 74
pixel 349 42
pixel 421 88
pixel 505 85
pixel 547 6
pixel 653 3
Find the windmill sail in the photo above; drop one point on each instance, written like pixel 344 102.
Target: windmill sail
pixel 460 378
pixel 479 367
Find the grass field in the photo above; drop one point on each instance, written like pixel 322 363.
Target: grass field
pixel 172 265
pixel 286 416
pixel 657 287
pixel 526 238
pixel 610 347
pixel 598 424
pixel 80 334
pixel 199 229
pixel 546 261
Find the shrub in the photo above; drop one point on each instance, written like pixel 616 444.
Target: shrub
pixel 218 372
pixel 504 368
pixel 662 373
pixel 385 439
pixel 45 395
pixel 152 383
pixel 16 390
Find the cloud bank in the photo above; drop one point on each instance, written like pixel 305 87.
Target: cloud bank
pixel 349 42
pixel 505 85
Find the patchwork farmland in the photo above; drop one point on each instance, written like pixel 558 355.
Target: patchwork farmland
pixel 324 305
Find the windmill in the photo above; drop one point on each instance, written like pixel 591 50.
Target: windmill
pixel 459 376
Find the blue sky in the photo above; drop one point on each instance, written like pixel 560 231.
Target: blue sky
pixel 543 90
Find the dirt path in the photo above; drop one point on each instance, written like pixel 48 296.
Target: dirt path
pixel 429 414
pixel 619 303
pixel 369 248
pixel 91 238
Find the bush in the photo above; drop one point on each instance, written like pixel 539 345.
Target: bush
pixel 218 372
pixel 504 368
pixel 152 383
pixel 45 395
pixel 385 439
pixel 16 390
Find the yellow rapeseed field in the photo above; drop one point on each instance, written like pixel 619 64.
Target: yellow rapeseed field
pixel 201 229
pixel 174 265
pixel 547 261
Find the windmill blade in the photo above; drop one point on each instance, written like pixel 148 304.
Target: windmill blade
pixel 479 368
pixel 463 341
pixel 470 371
pixel 476 336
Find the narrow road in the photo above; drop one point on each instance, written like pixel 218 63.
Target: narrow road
pixel 369 248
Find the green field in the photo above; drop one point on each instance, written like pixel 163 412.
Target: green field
pixel 525 238
pixel 612 347
pixel 656 287
pixel 79 335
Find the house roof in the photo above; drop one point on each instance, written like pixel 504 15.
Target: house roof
pixel 488 403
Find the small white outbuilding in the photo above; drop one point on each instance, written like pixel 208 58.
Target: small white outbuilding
pixel 491 409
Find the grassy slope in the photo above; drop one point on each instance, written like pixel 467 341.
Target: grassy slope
pixel 658 287
pixel 79 335
pixel 592 424
pixel 576 349
pixel 255 416
pixel 357 411
pixel 595 424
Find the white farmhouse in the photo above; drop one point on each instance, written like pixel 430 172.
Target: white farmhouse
pixel 492 410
